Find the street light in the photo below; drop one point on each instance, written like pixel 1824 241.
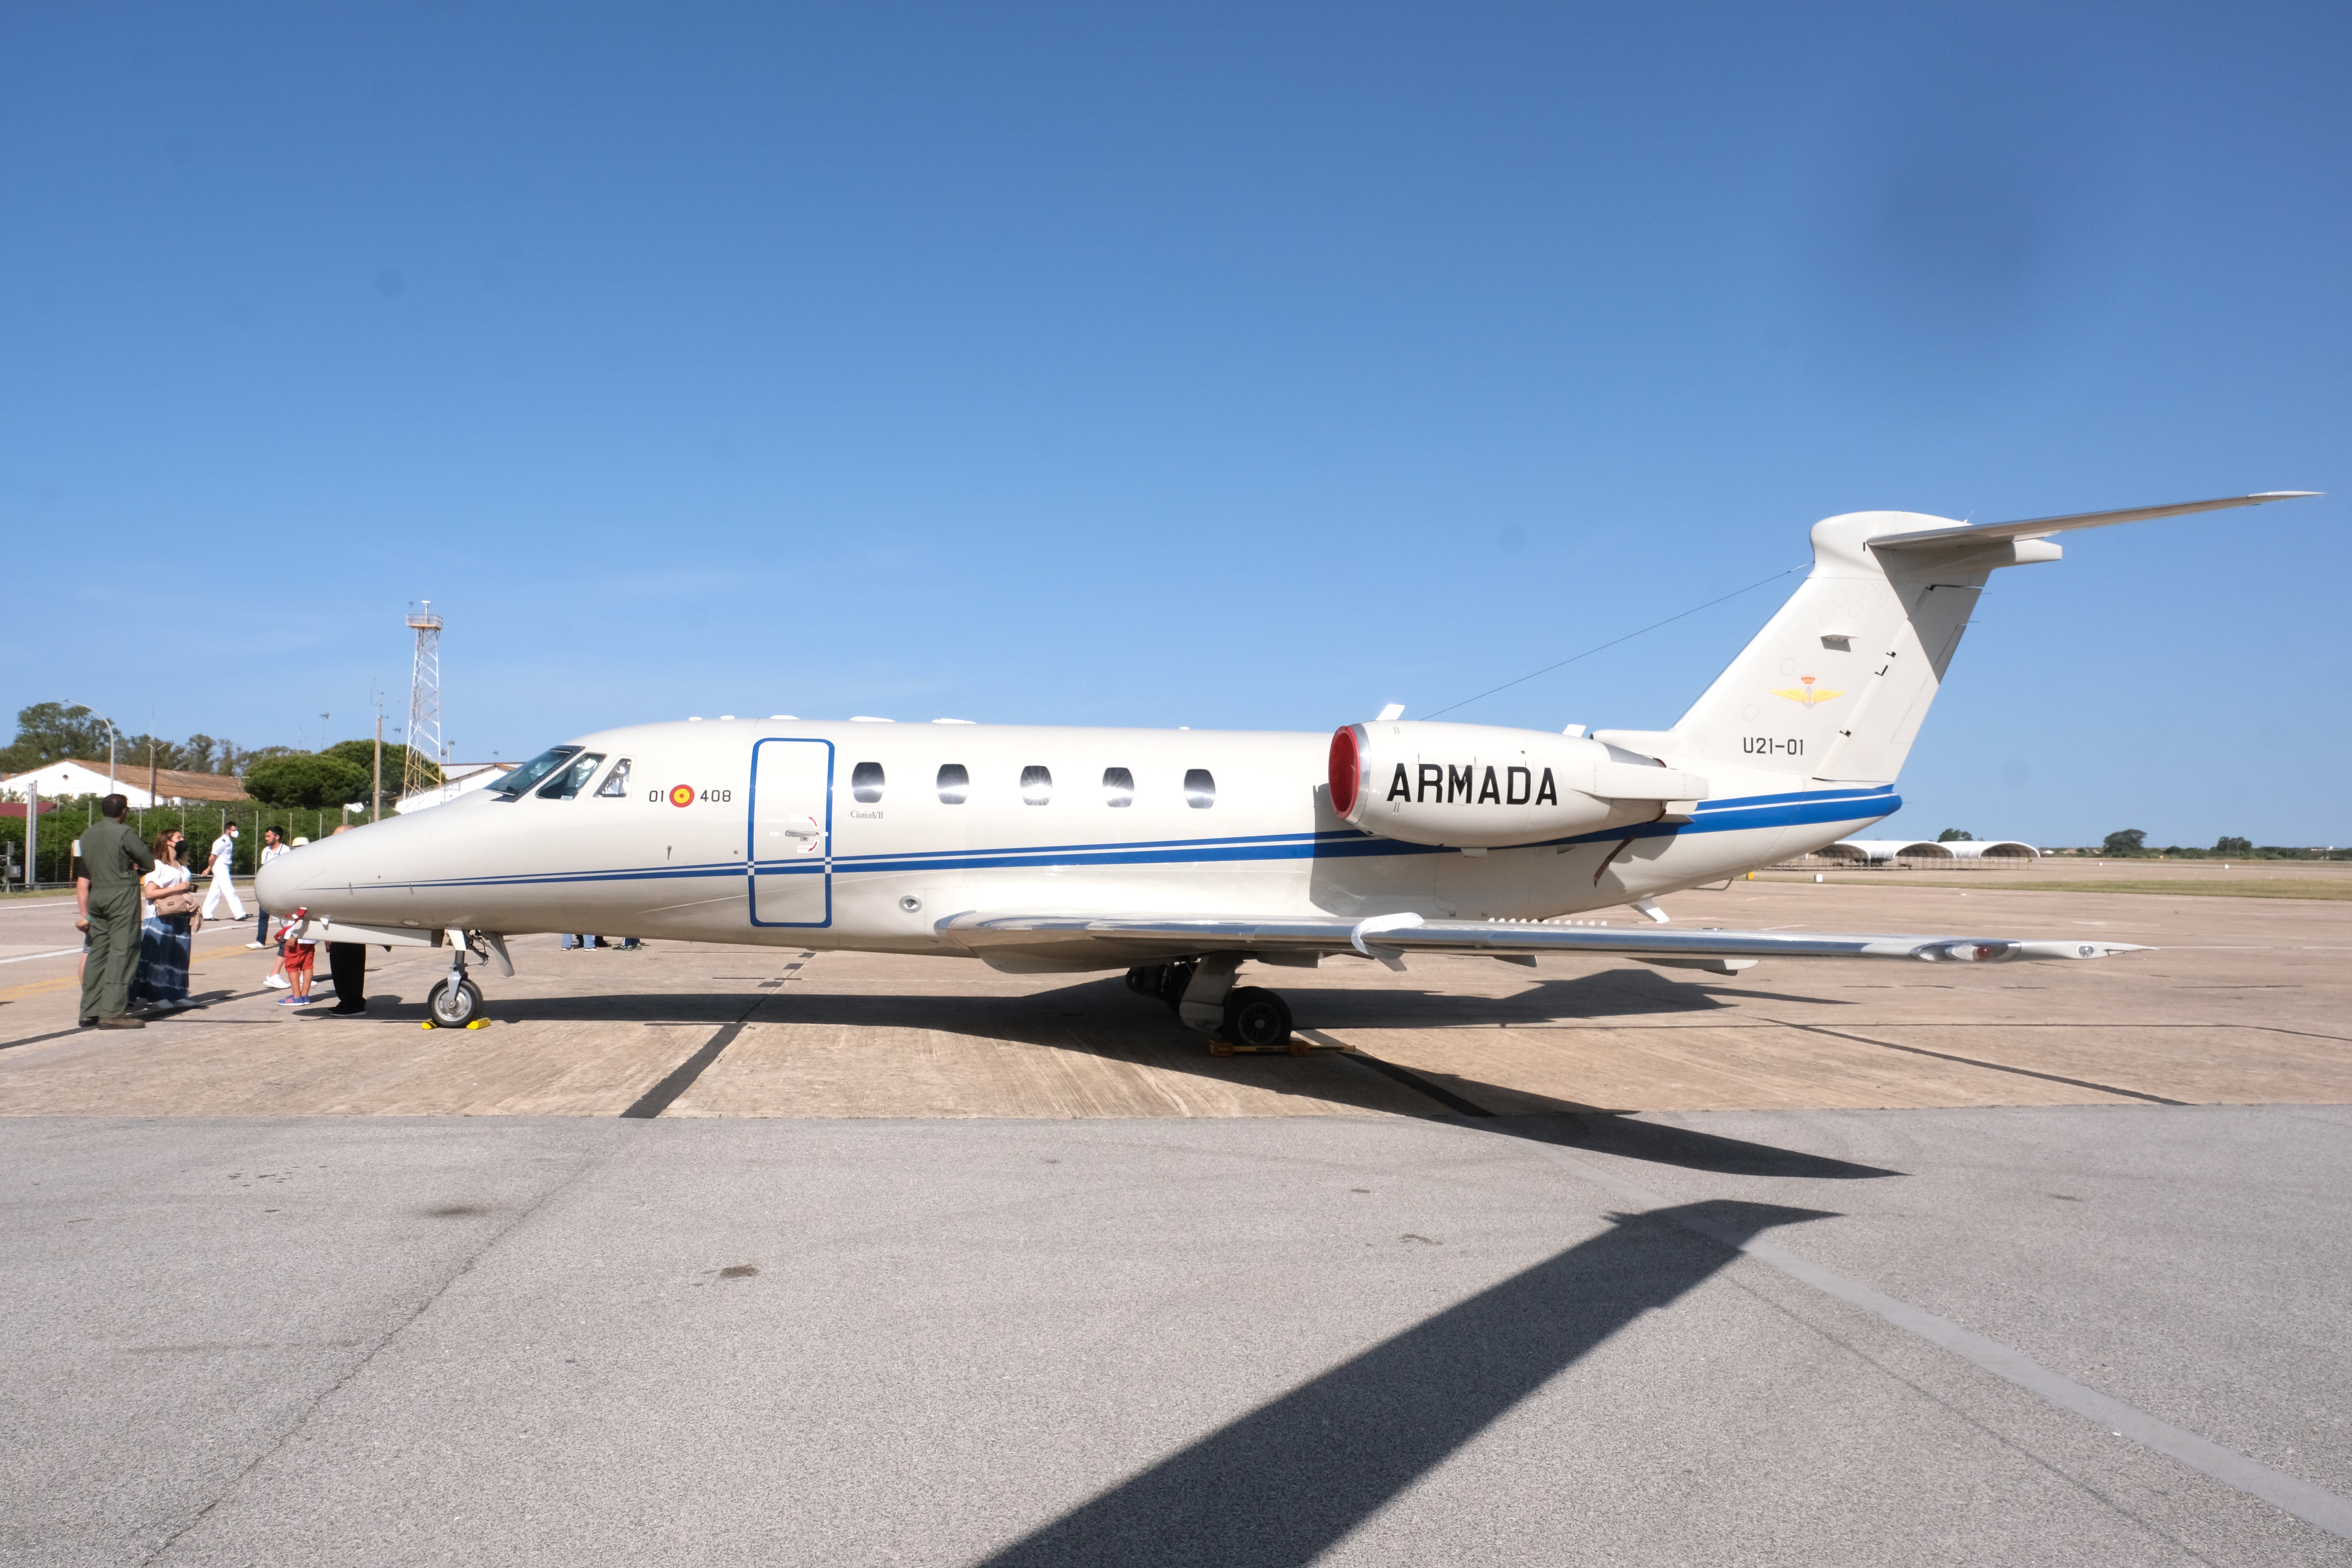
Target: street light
pixel 113 737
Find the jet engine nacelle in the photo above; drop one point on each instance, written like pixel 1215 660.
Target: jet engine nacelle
pixel 1480 786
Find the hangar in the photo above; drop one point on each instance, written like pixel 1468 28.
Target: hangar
pixel 1924 851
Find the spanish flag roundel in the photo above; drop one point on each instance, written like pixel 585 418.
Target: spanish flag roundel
pixel 682 796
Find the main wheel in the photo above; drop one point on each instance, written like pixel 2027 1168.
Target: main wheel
pixel 1144 981
pixel 1257 1018
pixel 454 1007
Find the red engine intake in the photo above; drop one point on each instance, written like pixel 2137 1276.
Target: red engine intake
pixel 1347 768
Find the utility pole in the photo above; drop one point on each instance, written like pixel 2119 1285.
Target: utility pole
pixel 33 833
pixel 375 794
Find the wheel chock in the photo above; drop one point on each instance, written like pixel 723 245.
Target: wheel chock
pixel 479 1024
pixel 1297 1045
pixel 428 1023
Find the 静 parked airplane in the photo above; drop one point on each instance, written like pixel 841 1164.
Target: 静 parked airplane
pixel 1181 854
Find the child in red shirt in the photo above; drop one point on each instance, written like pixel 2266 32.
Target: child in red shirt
pixel 298 955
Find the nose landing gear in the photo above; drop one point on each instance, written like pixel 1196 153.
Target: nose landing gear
pixel 453 1003
pixel 456 1003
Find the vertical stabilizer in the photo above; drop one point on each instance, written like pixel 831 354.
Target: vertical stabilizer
pixel 1837 683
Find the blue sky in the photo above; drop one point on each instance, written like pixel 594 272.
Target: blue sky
pixel 1224 366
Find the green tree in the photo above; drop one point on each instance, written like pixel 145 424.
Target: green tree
pixel 2130 841
pixel 306 781
pixel 362 754
pixel 2227 845
pixel 1955 835
pixel 46 731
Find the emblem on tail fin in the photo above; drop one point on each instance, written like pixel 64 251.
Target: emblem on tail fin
pixel 1805 693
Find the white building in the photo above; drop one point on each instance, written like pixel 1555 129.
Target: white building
pixel 457 779
pixel 72 776
pixel 1891 851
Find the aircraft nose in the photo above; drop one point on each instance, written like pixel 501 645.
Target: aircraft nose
pixel 297 878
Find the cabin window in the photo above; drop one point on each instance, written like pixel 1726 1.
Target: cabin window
pixel 572 777
pixel 513 786
pixel 955 784
pixel 1118 788
pixel 865 781
pixel 1036 785
pixel 616 783
pixel 1199 788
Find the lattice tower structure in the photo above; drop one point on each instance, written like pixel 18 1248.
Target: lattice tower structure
pixel 423 703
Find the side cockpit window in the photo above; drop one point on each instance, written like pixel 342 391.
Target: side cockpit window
pixel 518 783
pixel 616 783
pixel 573 776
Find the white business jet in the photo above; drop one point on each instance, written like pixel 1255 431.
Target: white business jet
pixel 1181 854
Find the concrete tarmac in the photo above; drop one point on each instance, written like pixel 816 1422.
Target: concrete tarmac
pixel 923 1264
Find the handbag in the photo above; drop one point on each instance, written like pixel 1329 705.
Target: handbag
pixel 172 905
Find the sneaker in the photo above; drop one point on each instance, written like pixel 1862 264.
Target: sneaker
pixel 254 944
pixel 278 983
pixel 293 1001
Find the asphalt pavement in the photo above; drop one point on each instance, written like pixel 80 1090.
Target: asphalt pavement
pixel 1241 1341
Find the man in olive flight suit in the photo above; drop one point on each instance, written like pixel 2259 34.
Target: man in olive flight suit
pixel 116 860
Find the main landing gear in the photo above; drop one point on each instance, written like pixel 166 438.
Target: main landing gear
pixel 1200 991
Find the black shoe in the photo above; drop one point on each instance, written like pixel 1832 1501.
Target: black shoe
pixel 90 1023
pixel 340 1011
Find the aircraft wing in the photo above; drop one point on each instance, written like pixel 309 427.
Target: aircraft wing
pixel 1390 938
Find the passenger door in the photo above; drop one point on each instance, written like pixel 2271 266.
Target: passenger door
pixel 791 851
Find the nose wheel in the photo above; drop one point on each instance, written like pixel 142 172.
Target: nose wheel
pixel 453 1006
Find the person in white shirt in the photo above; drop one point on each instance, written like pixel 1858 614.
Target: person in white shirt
pixel 223 861
pixel 161 982
pixel 273 844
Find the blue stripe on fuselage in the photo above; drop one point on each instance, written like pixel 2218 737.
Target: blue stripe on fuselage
pixel 1798 809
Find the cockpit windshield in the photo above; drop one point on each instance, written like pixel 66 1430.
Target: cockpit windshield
pixel 512 786
pixel 572 777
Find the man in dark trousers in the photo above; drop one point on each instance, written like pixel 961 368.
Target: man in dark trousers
pixel 346 966
pixel 116 860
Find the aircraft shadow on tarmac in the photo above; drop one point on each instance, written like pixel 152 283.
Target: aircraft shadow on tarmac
pixel 1281 1485
pixel 1100 1018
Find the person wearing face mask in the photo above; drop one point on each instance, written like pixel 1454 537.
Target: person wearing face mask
pixel 161 982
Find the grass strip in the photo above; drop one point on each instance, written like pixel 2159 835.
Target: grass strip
pixel 2247 887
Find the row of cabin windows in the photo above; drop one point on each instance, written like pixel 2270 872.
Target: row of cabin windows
pixel 954 785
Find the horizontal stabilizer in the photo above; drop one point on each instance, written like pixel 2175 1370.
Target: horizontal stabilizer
pixel 2039 527
pixel 1175 936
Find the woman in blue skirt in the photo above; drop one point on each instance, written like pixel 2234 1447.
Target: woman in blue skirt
pixel 161 983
